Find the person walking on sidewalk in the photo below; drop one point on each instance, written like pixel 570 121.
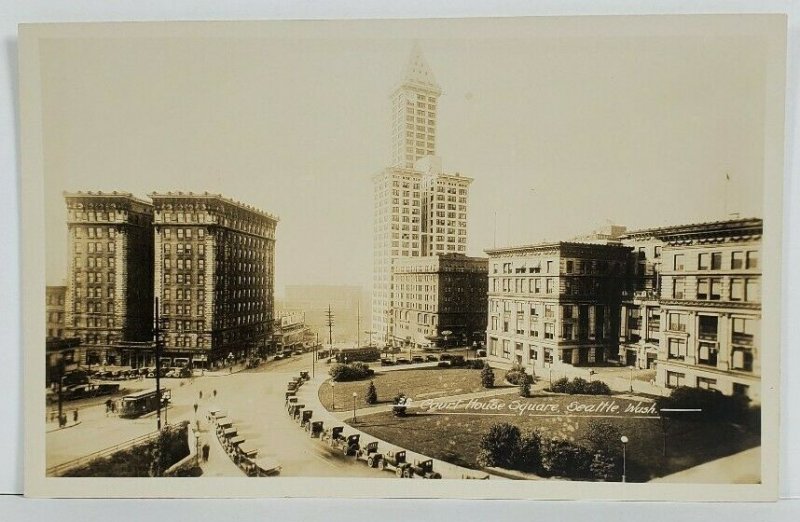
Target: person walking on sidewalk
pixel 206 451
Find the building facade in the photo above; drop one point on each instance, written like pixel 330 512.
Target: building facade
pixel 419 209
pixel 214 276
pixel 109 296
pixel 291 332
pixel 711 306
pixel 439 300
pixel 54 309
pixel 555 303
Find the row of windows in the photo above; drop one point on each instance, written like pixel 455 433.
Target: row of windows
pixel 739 289
pixel 707 354
pixel 714 260
pixel 95 232
pixel 95 247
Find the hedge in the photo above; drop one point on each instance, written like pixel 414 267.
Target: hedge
pixel 580 386
pixel 350 372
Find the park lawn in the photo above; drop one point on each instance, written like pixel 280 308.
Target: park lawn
pixel 455 437
pixel 417 384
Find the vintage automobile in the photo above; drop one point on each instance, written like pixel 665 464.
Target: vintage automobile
pixel 424 469
pixel 370 454
pixel 417 359
pixel 315 429
pixel 305 417
pixel 396 461
pixel 399 409
pixel 431 358
pixel 387 362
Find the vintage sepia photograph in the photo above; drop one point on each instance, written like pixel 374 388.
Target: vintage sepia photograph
pixel 500 255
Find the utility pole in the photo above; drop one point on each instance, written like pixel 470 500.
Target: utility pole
pixel 314 357
pixel 329 315
pixel 358 325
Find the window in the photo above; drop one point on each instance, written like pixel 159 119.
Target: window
pixel 567 312
pixel 550 285
pixel 708 327
pixel 494 323
pixel 752 259
pixel 549 267
pixel 677 322
pixel 707 353
pixel 568 332
pixel 677 349
pixel 549 330
pixel 679 287
pixel 741 389
pixel 548 311
pixel 706 383
pixel 716 289
pixel 675 379
pixel 492 346
pixel 538 286
pixel 703 261
pixel 716 261
pixel 752 290
pixel 702 288
pixel 657 253
pixel 737 289
pixel 742 331
pixel 569 266
pixel 742 359
pixel 506 349
pixel 737 260
pixel 677 262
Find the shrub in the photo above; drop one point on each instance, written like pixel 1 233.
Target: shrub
pixel 597 388
pixel 499 446
pixel 350 372
pixel 525 388
pixel 603 437
pixel 443 364
pixel 476 364
pixel 563 459
pixel 577 386
pixel 605 467
pixel 371 396
pixel 560 386
pixel 529 453
pixel 516 377
pixel 714 405
pixel 487 377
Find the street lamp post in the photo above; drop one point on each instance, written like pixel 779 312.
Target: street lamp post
pixel 624 440
pixel 630 379
pixel 354 405
pixel 333 394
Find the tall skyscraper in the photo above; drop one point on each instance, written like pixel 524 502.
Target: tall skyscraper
pixel 419 209
pixel 415 104
pixel 109 298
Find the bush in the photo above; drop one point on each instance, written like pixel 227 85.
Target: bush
pixel 604 437
pixel 443 364
pixel 371 396
pixel 525 388
pixel 605 467
pixel 597 388
pixel 350 372
pixel 714 405
pixel 476 364
pixel 499 446
pixel 487 377
pixel 517 377
pixel 577 386
pixel 529 453
pixel 563 459
pixel 560 386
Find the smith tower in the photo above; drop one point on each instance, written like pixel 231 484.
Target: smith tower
pixel 415 105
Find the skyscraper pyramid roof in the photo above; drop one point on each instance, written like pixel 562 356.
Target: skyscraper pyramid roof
pixel 417 73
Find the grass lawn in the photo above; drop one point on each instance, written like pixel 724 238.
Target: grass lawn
pixel 419 384
pixel 455 437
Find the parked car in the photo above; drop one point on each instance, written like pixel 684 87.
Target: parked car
pixel 298 352
pixel 481 353
pixel 431 358
pixel 387 362
pixel 278 357
pixel 417 359
pixel 402 360
pixel 445 357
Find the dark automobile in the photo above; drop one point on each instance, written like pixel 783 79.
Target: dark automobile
pixel 417 359
pixel 402 360
pixel 387 362
pixel 431 358
pixel 445 357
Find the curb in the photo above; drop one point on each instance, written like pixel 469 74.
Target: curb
pixel 64 428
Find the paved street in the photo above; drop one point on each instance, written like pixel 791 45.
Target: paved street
pixel 254 400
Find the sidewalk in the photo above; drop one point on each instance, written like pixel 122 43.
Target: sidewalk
pixel 741 468
pixel 219 464
pixel 309 395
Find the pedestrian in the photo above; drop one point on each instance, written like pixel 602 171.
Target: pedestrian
pixel 201 395
pixel 215 394
pixel 195 409
pixel 75 415
pixel 114 407
pixel 206 451
pixel 108 406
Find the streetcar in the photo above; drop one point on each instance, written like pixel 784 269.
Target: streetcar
pixel 138 404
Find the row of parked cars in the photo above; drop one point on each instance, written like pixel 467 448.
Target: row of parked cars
pixel 450 359
pixel 135 373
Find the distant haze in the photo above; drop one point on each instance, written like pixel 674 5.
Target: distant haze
pixel 565 126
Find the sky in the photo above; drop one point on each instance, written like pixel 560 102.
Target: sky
pixel 565 125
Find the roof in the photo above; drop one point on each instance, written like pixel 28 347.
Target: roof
pixel 417 72
pixel 212 197
pixel 745 225
pixel 556 246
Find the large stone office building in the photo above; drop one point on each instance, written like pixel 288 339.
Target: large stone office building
pixel 440 300
pixel 109 297
pixel 214 276
pixel 555 303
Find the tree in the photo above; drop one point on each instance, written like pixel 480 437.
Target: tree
pixel 604 437
pixel 372 394
pixel 525 385
pixel 487 377
pixel 499 446
pixel 529 452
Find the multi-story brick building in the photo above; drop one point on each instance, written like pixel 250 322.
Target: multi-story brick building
pixel 214 276
pixel 54 309
pixel 439 300
pixel 555 303
pixel 109 297
pixel 711 306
